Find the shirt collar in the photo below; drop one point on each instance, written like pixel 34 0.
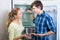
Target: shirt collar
pixel 41 14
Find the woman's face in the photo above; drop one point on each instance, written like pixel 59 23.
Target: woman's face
pixel 19 14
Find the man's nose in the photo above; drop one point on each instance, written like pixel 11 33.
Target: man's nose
pixel 33 10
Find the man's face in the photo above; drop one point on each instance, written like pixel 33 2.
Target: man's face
pixel 35 9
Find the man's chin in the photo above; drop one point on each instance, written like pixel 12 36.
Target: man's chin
pixel 36 13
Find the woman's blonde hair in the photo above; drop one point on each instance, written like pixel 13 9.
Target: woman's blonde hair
pixel 11 15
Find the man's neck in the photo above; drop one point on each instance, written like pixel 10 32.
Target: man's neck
pixel 41 11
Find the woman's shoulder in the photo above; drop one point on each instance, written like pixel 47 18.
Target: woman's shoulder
pixel 11 24
pixel 11 27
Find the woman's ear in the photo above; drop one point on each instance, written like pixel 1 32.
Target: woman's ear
pixel 15 16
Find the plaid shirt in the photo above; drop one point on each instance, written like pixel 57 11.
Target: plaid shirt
pixel 43 24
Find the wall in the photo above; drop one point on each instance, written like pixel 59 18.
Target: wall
pixel 4 8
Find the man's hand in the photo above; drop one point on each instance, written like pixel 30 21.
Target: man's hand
pixel 29 11
pixel 31 15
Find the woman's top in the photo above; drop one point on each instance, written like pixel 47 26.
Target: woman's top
pixel 15 30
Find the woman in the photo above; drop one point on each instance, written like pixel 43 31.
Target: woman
pixel 15 25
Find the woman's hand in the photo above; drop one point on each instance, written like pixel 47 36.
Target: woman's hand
pixel 27 36
pixel 22 36
pixel 16 38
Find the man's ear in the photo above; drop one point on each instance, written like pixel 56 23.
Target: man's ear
pixel 39 7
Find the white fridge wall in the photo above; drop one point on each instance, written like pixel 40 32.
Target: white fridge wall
pixel 45 3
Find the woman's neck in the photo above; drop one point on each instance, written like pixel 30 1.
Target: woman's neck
pixel 16 21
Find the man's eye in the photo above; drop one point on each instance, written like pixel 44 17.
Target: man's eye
pixel 33 8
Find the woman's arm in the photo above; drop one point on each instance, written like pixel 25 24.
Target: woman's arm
pixel 11 32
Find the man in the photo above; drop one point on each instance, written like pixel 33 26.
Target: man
pixel 44 25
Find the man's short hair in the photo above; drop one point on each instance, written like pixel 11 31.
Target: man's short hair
pixel 37 3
